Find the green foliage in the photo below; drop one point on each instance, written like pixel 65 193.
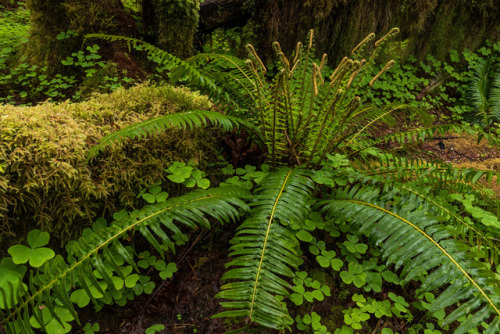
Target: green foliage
pixel 35 254
pixel 154 329
pixel 257 267
pixel 46 180
pixel 91 328
pixel 351 205
pixel 13 32
pixel 434 84
pixel 484 90
pixel 99 266
pixel 316 289
pixel 185 120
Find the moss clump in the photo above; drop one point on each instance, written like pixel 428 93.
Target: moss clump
pixel 45 181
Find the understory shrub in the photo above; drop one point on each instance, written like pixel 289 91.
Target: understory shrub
pixel 45 181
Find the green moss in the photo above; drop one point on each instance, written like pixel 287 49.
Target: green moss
pixel 430 26
pixel 335 319
pixel 176 23
pixel 46 182
pixel 51 17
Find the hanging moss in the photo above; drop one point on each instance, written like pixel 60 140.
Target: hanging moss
pixel 432 26
pixel 175 24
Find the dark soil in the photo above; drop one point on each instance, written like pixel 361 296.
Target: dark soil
pixel 183 303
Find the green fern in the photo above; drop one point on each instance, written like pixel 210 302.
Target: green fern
pixel 484 91
pixel 302 119
pixel 184 69
pixel 182 120
pixel 103 249
pixel 411 236
pixel 427 180
pixel 264 252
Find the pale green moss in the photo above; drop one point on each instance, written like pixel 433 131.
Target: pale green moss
pixel 46 181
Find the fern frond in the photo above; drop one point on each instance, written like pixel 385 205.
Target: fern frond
pixel 412 237
pixel 436 174
pixel 479 88
pixel 233 78
pixel 264 250
pixel 98 251
pixel 481 235
pixel 476 237
pixel 417 135
pixel 376 116
pixel 182 68
pixel 182 120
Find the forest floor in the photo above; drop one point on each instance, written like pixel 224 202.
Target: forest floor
pixel 185 303
pixel 463 151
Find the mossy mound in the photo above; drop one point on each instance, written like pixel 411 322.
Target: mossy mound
pixel 45 181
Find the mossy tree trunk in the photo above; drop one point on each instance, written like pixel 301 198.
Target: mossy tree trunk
pixel 51 17
pixel 170 24
pixel 175 24
pixel 433 26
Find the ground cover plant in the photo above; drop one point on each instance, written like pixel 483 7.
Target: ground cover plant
pixel 328 200
pixel 46 182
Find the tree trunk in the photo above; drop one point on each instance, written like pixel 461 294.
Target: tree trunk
pixel 49 18
pixel 222 13
pixel 175 24
pixel 430 27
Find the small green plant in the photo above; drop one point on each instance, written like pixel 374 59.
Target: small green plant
pixel 91 328
pixel 89 61
pixel 154 194
pixel 484 90
pixel 155 329
pixel 311 321
pixel 187 175
pixel 317 290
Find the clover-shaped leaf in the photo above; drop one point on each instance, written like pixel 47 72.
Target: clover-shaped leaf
pixel 390 277
pixel 155 328
pixel 51 324
pixel 297 298
pixel 82 299
pixel 36 254
pixel 166 270
pixel 144 285
pixel 91 328
pixel 37 238
pixel 155 195
pixel 180 172
pixel 304 235
pixel 203 183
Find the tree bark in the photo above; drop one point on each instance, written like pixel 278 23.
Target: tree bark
pixel 222 13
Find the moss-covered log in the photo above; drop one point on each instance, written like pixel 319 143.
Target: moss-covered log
pixel 45 181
